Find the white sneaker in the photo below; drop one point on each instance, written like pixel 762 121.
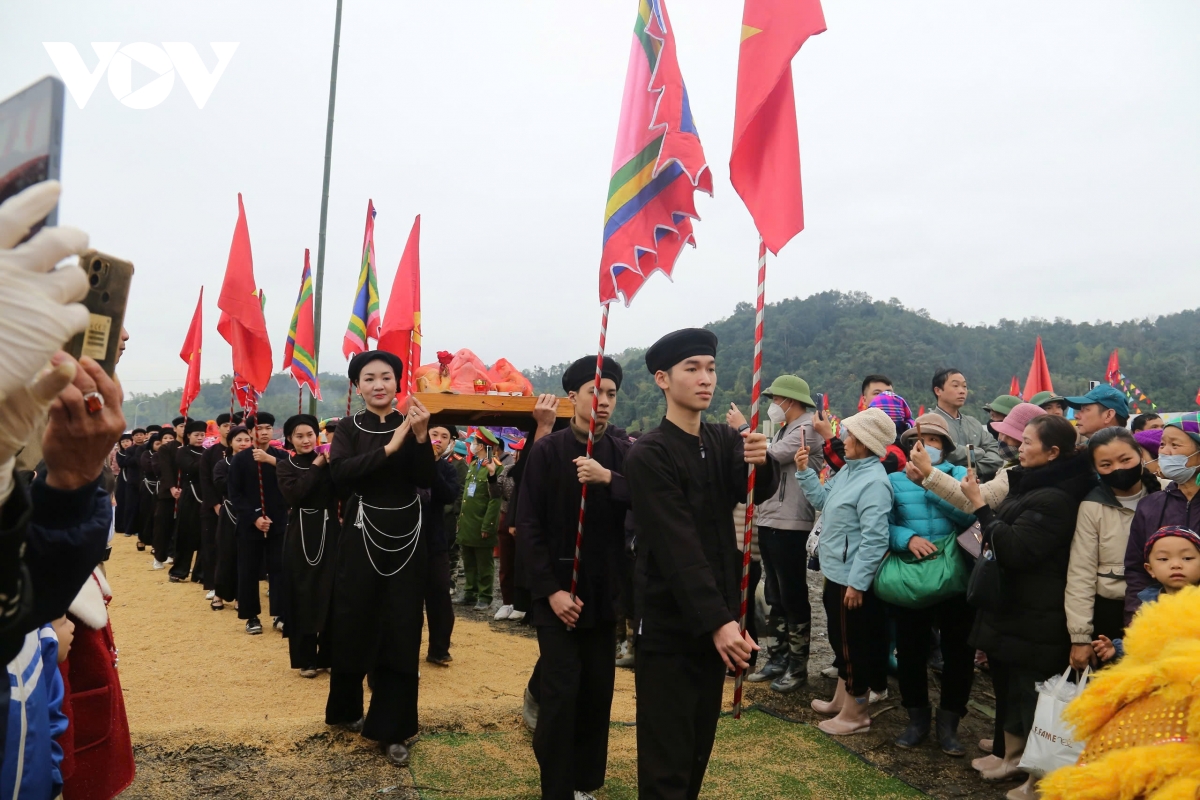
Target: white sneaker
pixel 170 560
pixel 516 616
pixel 157 564
pixel 878 697
pixel 210 595
pixel 504 613
pixel 584 796
pixel 829 672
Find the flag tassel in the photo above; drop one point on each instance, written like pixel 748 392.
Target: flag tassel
pixel 754 397
pixel 590 443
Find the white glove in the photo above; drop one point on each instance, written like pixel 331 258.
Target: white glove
pixel 39 311
pixel 22 411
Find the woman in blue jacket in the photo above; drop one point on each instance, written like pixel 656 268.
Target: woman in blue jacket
pixel 854 504
pixel 921 521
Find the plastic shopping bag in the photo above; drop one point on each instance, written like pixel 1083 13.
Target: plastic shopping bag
pixel 1052 743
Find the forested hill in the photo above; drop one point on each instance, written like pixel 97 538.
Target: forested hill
pixel 833 340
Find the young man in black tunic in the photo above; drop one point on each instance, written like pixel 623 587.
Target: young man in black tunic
pixel 575 635
pixel 309 546
pixel 379 459
pixel 686 478
pixel 129 485
pixel 148 489
pixel 168 493
pixel 210 506
pixel 261 520
pixel 439 611
pixel 187 518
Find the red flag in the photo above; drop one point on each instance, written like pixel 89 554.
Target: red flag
pixel 921 411
pixel 1014 388
pixel 862 403
pixel 242 323
pixel 1198 397
pixel 764 166
pixel 191 356
pixel 1113 373
pixel 401 332
pixel 1039 374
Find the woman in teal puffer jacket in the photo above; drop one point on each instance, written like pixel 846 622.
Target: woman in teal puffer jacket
pixel 919 522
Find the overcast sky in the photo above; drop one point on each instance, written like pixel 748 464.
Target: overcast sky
pixel 980 160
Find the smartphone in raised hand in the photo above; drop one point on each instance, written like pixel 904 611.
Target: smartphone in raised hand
pixel 109 281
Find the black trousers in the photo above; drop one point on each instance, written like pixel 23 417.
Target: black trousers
pixel 1108 618
pixel 392 718
pixel 208 547
pixel 164 527
pixel 146 504
pixel 914 634
pixel 254 551
pixel 311 650
pixel 439 610
pixel 785 558
pixel 678 704
pixel 1016 685
pixel 852 635
pixel 187 539
pixel 227 558
pixel 571 740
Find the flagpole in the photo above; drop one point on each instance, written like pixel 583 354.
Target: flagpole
pixel 590 442
pixel 300 401
pixel 318 283
pixel 754 396
pixel 349 394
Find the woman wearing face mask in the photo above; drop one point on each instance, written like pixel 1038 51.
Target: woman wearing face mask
pixel 1025 636
pixel 1178 462
pixel 918 523
pixel 1096 578
pixel 1008 432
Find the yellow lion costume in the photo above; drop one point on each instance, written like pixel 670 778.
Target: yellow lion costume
pixel 1141 716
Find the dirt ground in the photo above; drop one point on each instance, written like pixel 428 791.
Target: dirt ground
pixel 217 713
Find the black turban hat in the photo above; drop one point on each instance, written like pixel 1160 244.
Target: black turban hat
pixel 223 418
pixel 331 426
pixel 263 418
pixel 194 425
pixel 178 421
pixel 362 359
pixel 153 428
pixel 297 420
pixel 679 345
pixel 584 371
pixel 125 436
pixel 238 417
pixel 136 431
pixel 154 437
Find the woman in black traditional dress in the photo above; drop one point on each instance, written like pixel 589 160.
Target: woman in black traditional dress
pixel 378 460
pixel 309 546
pixel 227 572
pixel 148 489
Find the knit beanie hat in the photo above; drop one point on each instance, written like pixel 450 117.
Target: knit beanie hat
pixel 1189 423
pixel 873 428
pixel 1150 440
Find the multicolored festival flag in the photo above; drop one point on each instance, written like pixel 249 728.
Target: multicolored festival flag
pixel 242 322
pixel 364 318
pixel 658 164
pixel 401 332
pixel 190 354
pixel 298 352
pixel 1116 378
pixel 764 165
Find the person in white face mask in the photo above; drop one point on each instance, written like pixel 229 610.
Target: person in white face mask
pixel 784 523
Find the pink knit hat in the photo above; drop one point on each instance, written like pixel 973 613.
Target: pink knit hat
pixel 1014 424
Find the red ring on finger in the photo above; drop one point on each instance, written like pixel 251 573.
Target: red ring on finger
pixel 94 402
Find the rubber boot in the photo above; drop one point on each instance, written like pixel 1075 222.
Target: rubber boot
pixel 947 734
pixel 797 667
pixel 1007 769
pixel 777 653
pixel 917 730
pixel 832 707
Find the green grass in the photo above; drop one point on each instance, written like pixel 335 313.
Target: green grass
pixel 758 757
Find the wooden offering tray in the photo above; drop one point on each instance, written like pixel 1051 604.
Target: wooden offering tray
pixel 487 409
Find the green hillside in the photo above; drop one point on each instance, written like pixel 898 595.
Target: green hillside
pixel 833 340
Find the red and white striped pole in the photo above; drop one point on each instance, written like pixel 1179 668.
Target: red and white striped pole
pixel 755 392
pixel 590 442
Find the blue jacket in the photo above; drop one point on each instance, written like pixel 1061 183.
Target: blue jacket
pixel 919 512
pixel 35 721
pixel 854 506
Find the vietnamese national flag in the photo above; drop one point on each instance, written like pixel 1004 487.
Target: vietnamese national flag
pixel 1039 374
pixel 1015 387
pixel 764 166
pixel 1113 373
pixel 242 323
pixel 401 331
pixel 191 356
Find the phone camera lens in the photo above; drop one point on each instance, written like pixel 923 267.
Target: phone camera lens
pixel 104 297
pixel 96 265
pixel 94 280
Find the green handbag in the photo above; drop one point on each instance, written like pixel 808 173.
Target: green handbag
pixel 906 581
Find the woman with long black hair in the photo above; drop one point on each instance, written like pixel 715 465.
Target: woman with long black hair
pixel 378 460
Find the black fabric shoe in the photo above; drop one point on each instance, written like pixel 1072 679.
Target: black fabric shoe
pixel 353 727
pixel 791 680
pixel 396 754
pixel 947 734
pixel 175 579
pixel 441 661
pixel 917 730
pixel 253 626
